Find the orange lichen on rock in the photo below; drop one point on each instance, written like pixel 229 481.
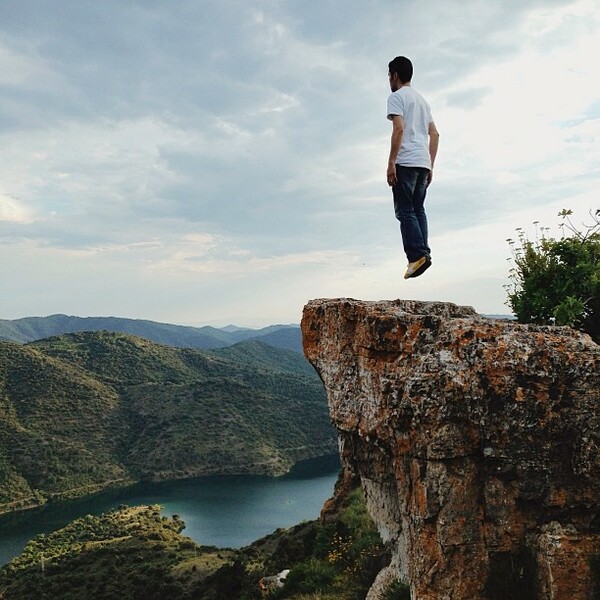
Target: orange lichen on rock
pixel 476 440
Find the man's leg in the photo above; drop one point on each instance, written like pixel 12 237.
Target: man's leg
pixel 419 194
pixel 404 191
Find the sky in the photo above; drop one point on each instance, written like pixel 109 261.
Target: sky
pixel 223 162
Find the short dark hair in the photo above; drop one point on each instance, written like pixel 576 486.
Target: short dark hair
pixel 403 67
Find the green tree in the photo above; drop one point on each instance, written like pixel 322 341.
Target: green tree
pixel 557 281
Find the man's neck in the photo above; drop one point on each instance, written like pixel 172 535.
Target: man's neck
pixel 406 84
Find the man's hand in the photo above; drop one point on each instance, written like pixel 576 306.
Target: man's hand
pixel 429 177
pixel 391 174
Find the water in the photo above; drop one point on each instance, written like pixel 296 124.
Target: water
pixel 225 511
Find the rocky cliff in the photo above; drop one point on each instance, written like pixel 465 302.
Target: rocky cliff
pixel 477 442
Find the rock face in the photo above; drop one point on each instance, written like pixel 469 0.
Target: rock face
pixel 477 442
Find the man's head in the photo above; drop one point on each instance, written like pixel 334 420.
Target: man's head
pixel 400 72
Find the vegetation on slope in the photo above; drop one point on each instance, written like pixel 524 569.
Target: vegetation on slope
pixel 59 428
pixel 136 553
pixel 129 553
pixel 86 410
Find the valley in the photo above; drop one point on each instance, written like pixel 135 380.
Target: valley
pixel 85 411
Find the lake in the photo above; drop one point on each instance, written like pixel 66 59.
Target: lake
pixel 228 511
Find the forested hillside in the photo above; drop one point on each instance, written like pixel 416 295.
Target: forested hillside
pixel 83 411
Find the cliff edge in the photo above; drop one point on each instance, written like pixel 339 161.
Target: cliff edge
pixel 477 443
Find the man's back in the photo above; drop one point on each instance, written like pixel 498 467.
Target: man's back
pixel 416 114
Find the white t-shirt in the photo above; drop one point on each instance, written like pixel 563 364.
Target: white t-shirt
pixel 413 108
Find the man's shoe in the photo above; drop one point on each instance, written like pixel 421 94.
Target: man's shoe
pixel 418 267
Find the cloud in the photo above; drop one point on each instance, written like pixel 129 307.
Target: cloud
pixel 469 98
pixel 203 146
pixel 194 261
pixel 13 211
pixel 25 69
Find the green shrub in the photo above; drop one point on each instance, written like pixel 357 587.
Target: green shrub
pixel 310 576
pixel 557 281
pixel 396 591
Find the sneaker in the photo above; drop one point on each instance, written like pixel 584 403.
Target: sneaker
pixel 418 267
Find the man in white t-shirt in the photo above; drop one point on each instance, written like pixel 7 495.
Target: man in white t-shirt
pixel 413 150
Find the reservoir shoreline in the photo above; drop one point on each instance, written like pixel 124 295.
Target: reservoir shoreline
pixel 40 500
pixel 219 510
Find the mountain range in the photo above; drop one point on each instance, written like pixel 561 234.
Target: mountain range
pixel 29 329
pixel 83 411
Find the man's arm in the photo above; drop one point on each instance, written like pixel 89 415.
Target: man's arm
pixel 395 143
pixel 434 142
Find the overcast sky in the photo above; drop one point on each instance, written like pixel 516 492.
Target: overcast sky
pixel 213 162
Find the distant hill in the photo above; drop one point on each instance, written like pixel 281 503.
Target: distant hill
pixel 129 553
pixel 83 411
pixel 30 329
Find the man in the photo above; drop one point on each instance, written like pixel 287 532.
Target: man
pixel 413 150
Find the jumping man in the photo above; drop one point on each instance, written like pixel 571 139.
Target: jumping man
pixel 413 150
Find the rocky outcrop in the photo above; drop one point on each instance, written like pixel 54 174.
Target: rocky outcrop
pixel 477 442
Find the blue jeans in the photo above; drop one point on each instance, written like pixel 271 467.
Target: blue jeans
pixel 409 206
